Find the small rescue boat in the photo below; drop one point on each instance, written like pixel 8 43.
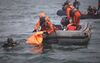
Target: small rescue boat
pixel 77 37
pixel 83 16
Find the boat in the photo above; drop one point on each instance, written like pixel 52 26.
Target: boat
pixel 77 37
pixel 86 16
pixel 83 16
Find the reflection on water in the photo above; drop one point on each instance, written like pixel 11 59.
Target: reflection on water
pixel 22 47
pixel 37 50
pixel 50 47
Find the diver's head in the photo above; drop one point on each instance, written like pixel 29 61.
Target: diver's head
pixel 9 40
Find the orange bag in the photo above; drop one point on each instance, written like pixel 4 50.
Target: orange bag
pixel 35 39
pixel 71 27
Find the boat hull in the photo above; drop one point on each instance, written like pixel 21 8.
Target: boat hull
pixel 78 37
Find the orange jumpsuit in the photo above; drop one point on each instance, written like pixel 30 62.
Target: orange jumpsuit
pixel 48 27
pixel 75 16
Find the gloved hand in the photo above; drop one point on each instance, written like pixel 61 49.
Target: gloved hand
pixel 34 30
pixel 45 34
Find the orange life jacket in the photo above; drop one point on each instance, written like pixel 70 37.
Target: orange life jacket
pixel 48 27
pixel 70 11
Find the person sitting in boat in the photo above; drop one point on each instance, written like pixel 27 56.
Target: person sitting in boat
pixel 98 12
pixel 71 27
pixel 94 11
pixel 76 4
pixel 9 44
pixel 64 22
pixel 72 12
pixel 90 10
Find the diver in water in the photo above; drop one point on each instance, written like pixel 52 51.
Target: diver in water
pixel 9 44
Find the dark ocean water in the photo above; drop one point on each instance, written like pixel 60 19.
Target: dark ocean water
pixel 17 18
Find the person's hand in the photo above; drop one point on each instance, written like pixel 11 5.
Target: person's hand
pixel 45 34
pixel 34 30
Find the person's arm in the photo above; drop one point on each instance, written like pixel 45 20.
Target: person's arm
pixel 37 26
pixel 68 13
pixel 51 28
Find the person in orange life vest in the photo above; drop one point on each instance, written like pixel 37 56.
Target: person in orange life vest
pixel 73 13
pixel 71 27
pixel 38 39
pixel 44 24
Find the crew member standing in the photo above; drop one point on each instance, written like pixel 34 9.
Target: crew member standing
pixel 73 13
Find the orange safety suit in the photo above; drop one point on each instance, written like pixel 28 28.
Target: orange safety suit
pixel 48 27
pixel 70 9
